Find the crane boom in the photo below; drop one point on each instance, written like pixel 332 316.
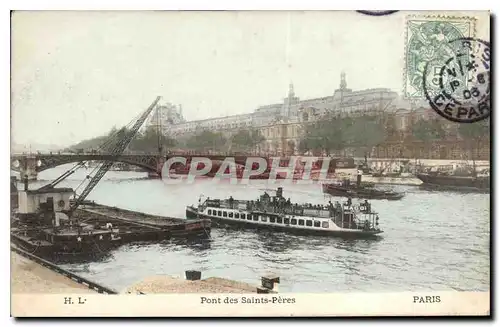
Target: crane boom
pixel 116 151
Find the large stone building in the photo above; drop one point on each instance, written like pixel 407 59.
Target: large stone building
pixel 283 124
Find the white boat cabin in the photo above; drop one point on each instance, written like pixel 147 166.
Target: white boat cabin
pixel 333 218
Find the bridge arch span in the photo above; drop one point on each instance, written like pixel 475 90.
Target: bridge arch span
pixel 149 163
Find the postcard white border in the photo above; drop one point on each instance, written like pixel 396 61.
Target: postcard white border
pixel 254 305
pixel 215 4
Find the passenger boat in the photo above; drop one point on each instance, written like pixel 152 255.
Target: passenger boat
pixel 277 213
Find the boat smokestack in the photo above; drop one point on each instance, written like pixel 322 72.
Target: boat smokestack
pixel 279 192
pixel 25 182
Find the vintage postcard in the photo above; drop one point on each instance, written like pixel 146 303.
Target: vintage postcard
pixel 250 163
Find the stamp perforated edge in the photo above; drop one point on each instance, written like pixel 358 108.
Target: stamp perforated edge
pixel 408 18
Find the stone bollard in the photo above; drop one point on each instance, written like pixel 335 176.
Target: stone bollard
pixel 193 275
pixel 270 282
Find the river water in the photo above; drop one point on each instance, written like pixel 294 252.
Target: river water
pixel 431 241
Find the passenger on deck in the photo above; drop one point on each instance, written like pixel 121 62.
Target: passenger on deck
pixel 349 201
pixel 231 201
pixel 338 207
pixel 367 206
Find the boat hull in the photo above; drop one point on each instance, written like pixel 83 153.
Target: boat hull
pixel 455 182
pixel 60 249
pixel 370 194
pixel 192 213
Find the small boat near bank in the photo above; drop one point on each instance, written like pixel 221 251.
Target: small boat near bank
pixel 277 213
pixel 456 177
pixel 479 183
pixel 360 192
pixel 347 189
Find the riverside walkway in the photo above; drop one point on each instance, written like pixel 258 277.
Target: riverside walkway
pixel 28 276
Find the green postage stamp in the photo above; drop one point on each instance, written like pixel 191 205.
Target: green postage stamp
pixel 428 40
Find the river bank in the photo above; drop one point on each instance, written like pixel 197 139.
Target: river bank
pixel 28 276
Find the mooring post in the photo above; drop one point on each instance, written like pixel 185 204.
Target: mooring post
pixel 193 275
pixel 270 283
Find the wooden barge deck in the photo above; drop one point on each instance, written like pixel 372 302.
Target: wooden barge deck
pixel 131 226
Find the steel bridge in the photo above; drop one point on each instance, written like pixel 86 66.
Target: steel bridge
pixel 32 164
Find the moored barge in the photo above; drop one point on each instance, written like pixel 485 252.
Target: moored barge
pixel 277 213
pixel 99 229
pixel 41 226
pixel 132 226
pixel 479 183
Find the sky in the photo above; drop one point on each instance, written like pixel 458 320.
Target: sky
pixel 75 75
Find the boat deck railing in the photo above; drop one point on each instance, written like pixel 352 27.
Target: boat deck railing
pixel 344 215
pixel 270 207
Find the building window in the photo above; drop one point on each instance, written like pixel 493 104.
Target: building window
pixel 317 223
pixel 309 223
